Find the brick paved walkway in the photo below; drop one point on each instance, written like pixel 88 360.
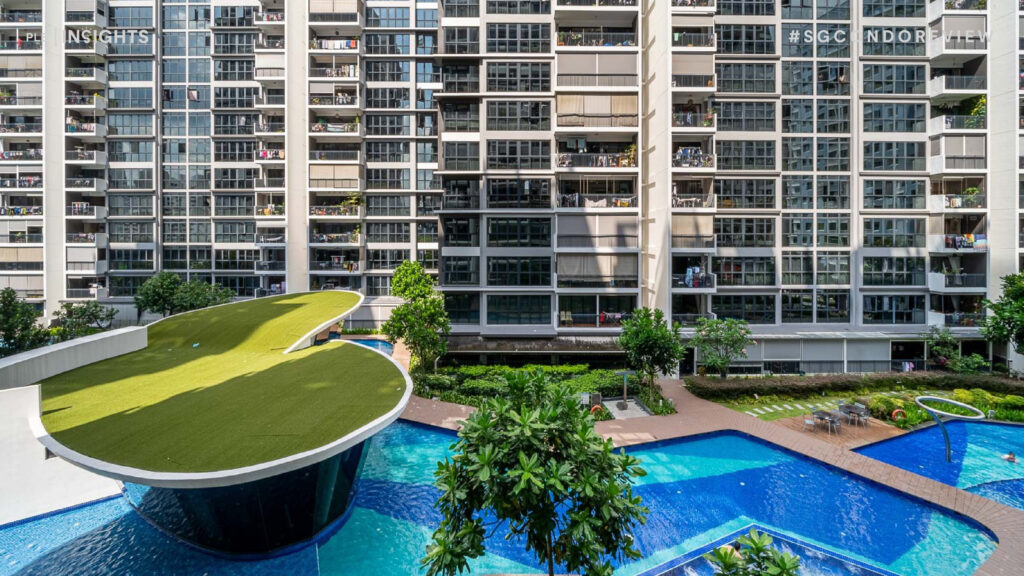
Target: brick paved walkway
pixel 696 416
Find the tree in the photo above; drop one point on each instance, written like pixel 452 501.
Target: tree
pixel 18 328
pixel 411 282
pixel 531 461
pixel 196 294
pixel 652 347
pixel 720 342
pixel 421 322
pixel 1005 324
pixel 755 557
pixel 75 320
pixel 157 293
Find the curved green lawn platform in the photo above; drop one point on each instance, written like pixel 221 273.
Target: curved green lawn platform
pixel 232 401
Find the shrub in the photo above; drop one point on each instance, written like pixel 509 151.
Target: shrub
pixel 434 383
pixel 483 387
pixel 1011 402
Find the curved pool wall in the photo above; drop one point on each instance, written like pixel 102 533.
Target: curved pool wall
pixel 977 457
pixel 699 490
pixel 255 518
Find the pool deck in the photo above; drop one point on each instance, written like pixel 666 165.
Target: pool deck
pixel 696 416
pixel 850 436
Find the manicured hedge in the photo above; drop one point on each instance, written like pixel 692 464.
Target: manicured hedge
pixel 733 388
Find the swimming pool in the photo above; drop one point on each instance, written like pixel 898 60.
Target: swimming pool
pixel 977 466
pixel 382 345
pixel 699 490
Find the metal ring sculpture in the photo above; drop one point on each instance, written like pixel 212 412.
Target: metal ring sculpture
pixel 935 412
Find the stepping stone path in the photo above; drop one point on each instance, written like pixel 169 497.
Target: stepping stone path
pixel 787 406
pixel 751 414
pixel 758 410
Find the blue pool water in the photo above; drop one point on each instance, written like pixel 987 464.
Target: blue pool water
pixel 977 466
pixel 382 345
pixel 698 490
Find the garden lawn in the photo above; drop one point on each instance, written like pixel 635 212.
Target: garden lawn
pixel 214 391
pixel 775 407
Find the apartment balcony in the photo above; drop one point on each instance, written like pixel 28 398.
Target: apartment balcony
pixel 950 89
pixel 693 283
pixel 592 6
pixel 94 268
pixel 959 164
pixel 24 184
pixel 270 45
pixel 269 19
pixel 86 131
pixel 334 155
pixel 348 72
pixel 271 238
pixel 694 122
pixel 262 101
pixel 95 16
pixel 21 238
pixel 91 293
pixel 14 18
pixel 86 77
pixel 270 266
pixel 940 8
pixel 339 46
pixel 33 155
pixel 21 129
pixel 351 239
pixel 590 38
pixel 337 265
pixel 943 203
pixel 693 202
pixel 598 162
pixel 954 124
pixel 349 101
pixel 132 240
pixel 694 243
pixel 86 212
pixel 93 239
pixel 957 243
pixel 694 83
pixel 606 122
pixel 18 212
pixel 597 281
pixel 335 18
pixel 957 283
pixel 892 279
pixel 601 202
pixel 269 211
pixel 340 212
pixel 588 81
pixel 268 156
pixel 953 47
pixel 83 103
pixel 689 320
pixel 269 129
pixel 689 42
pixel 336 129
pixel 335 184
pixel 693 6
pixel 693 160
pixel 270 183
pixel 596 243
pixel 955 320
pixel 747 280
pixel 268 74
pixel 84 158
pixel 20 46
pixel 88 50
pixel 12 104
pixel 604 320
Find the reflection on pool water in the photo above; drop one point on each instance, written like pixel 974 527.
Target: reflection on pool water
pixel 978 465
pixel 699 490
pixel 381 345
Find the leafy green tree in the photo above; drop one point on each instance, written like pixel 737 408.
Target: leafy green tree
pixel 1005 324
pixel 157 293
pixel 411 282
pixel 75 320
pixel 755 557
pixel 943 347
pixel 651 345
pixel 422 321
pixel 19 330
pixel 721 342
pixel 532 462
pixel 196 294
pixel 423 326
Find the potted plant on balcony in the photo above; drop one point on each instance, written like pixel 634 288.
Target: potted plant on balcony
pixel 631 155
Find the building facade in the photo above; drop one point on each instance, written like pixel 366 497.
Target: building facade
pixel 838 173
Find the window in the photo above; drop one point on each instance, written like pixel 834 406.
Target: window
pixel 387 97
pixel 746 7
pixel 462 308
pixel 518 7
pixel 513 271
pixel 833 154
pixel 833 230
pixel 387 232
pixel 518 309
pixel 833 9
pixel 519 232
pixel 748 78
pixel 387 71
pixel 833 79
pixel 895 194
pixel 745 232
pixel 797 306
pixel 798 192
pixel 518 76
pixel 797 230
pixel 797 116
pixel 519 154
pixel 894 41
pixel 461 40
pixel 746 193
pixel 884 271
pixel 894 309
pixel 519 193
pixel 461 232
pixel 894 232
pixel 378 151
pixel 753 309
pixel 797 154
pixel 797 9
pixel 131 17
pixel 890 117
pixel 894 156
pixel 518 38
pixel 387 179
pixel 894 8
pixel 385 259
pixel 833 192
pixel 797 78
pixel 461 8
pixel 461 155
pixel 389 17
pixel 833 306
pixel 833 41
pixel 519 115
pixel 386 43
pixel 797 268
pixel 894 79
pixel 794 40
pixel 379 205
pixel 378 285
pixel 833 268
pixel 745 116
pixel 745 39
pixel 746 154
pixel 834 116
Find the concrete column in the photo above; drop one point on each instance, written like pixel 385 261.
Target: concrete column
pixel 54 254
pixel 297 144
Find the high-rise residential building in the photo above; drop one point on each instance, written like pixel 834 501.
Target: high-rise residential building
pixel 838 173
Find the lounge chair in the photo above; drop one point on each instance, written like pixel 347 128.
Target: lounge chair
pixel 810 422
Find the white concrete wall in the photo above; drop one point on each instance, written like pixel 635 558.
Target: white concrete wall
pixel 32 484
pixel 37 365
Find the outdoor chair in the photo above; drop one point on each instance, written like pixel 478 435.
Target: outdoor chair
pixel 810 422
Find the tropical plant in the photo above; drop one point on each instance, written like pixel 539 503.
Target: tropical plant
pixel 651 345
pixel 421 322
pixel 754 557
pixel 1006 322
pixel 411 282
pixel 533 463
pixel 75 320
pixel 720 342
pixel 196 294
pixel 157 293
pixel 19 330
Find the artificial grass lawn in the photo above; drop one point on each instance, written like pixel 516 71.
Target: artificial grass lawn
pixel 234 400
pixel 748 404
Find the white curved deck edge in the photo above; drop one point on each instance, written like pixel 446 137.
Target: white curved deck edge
pixel 34 366
pixel 233 476
pixel 309 338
